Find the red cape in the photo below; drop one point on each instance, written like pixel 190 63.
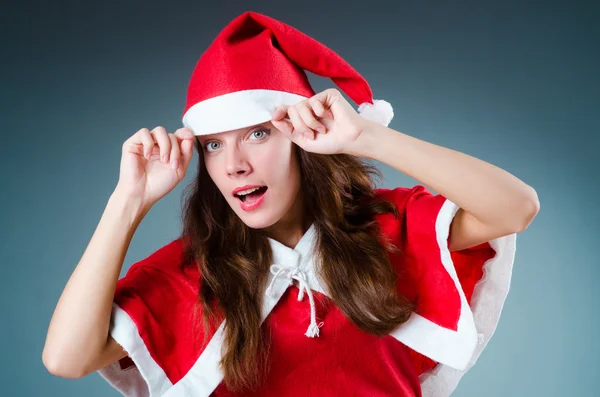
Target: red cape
pixel 459 298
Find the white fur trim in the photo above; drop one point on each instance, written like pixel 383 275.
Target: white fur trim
pixel 205 375
pixel 453 348
pixel 487 302
pixel 146 379
pixel 379 111
pixel 235 110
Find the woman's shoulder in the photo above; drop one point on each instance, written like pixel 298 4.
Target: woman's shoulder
pixel 169 260
pixel 401 193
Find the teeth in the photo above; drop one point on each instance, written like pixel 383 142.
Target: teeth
pixel 247 191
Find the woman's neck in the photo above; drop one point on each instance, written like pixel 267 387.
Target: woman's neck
pixel 290 229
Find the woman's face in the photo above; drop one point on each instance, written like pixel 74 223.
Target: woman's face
pixel 260 162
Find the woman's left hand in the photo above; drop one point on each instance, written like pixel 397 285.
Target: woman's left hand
pixel 325 123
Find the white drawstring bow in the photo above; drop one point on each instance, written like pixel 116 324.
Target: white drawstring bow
pixel 294 273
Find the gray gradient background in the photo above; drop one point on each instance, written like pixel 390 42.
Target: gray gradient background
pixel 511 83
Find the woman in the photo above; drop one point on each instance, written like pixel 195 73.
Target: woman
pixel 283 211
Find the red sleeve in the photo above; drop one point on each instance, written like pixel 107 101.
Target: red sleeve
pixel 458 295
pixel 152 319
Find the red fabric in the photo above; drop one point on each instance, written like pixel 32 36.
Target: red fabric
pixel 159 300
pixel 343 360
pixel 421 275
pixel 424 277
pixel 255 51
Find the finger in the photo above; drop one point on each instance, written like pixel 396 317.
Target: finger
pixel 306 114
pixel 147 142
pixel 300 129
pixel 164 143
pixel 136 139
pixel 280 112
pixel 317 106
pixel 184 133
pixel 174 157
pixel 320 110
pixel 282 124
pixel 186 151
pixel 186 138
pixel 322 103
pixel 134 143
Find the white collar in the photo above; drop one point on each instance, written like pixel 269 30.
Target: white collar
pixel 294 264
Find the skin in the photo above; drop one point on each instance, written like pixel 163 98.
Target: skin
pixel 259 155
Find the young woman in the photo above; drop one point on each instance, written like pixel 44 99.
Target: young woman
pixel 293 274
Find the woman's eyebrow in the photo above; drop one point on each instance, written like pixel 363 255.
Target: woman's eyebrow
pixel 208 137
pixel 263 124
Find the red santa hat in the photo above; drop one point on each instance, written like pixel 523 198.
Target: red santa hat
pixel 256 63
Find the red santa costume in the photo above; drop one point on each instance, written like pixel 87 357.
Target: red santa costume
pixel 253 65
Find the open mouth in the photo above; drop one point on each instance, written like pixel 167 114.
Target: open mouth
pixel 251 195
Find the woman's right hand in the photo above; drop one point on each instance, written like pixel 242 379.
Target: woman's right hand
pixel 154 162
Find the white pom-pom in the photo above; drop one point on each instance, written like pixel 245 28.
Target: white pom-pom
pixel 379 111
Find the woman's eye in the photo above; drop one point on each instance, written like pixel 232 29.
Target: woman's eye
pixel 255 135
pixel 210 146
pixel 259 134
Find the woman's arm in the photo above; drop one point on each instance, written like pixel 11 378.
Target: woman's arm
pixel 78 339
pixel 493 202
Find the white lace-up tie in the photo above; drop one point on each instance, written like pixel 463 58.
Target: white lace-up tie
pixel 294 273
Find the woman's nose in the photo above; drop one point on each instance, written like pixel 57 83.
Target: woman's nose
pixel 236 162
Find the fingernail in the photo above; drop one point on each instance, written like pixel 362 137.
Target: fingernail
pixel 174 164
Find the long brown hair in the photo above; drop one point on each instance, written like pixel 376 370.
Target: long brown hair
pixel 234 259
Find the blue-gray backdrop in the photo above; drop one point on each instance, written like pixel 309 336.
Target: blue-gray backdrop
pixel 513 83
